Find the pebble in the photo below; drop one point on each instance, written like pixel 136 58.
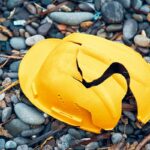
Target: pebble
pixel 92 146
pixel 142 41
pixel 18 43
pixel 14 99
pixel 136 4
pixel 10 144
pixel 30 29
pixel 86 6
pixel 116 138
pixel 130 115
pixel 34 39
pixel 114 27
pixel 128 129
pixel 31 9
pixel 3 37
pixel 2 96
pixel 14 66
pixel 75 18
pixel 125 3
pixel 138 17
pixel 6 113
pixel 23 147
pixel 14 3
pixel 2 143
pixel 147 59
pixel 16 126
pixel 147 1
pixel 75 133
pixel 44 28
pixel 12 75
pixel 29 114
pixel 145 9
pixel 1 72
pixel 112 12
pixel 130 28
pixel 30 132
pixel 21 140
pixel 147 147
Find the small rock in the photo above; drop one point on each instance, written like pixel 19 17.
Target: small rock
pixel 14 99
pixel 31 9
pixel 44 28
pixel 12 75
pixel 6 113
pixel 147 59
pixel 130 115
pixel 16 126
pixel 92 146
pixel 13 3
pixel 116 138
pixel 138 17
pixel 136 4
pixel 75 133
pixel 14 66
pixel 18 43
pixel 29 114
pixel 130 29
pixel 10 144
pixel 30 29
pixel 145 9
pixel 112 12
pixel 147 147
pixel 75 18
pixel 86 7
pixel 2 96
pixel 30 132
pixel 114 28
pixel 34 39
pixel 2 143
pixel 98 4
pixel 3 37
pixel 128 129
pixel 23 147
pixel 125 3
pixel 21 140
pixel 142 41
pixel 47 147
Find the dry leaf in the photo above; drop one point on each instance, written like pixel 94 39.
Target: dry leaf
pixel 4 132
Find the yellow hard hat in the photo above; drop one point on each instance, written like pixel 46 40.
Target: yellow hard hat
pixel 82 79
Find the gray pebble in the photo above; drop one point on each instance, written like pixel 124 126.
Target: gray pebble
pixel 29 114
pixel 30 29
pixel 112 12
pixel 13 3
pixel 30 132
pixel 75 18
pixel 75 133
pixel 116 138
pixel 128 129
pixel 138 17
pixel 21 140
pixel 2 143
pixel 1 72
pixel 125 3
pixel 147 147
pixel 114 28
pixel 16 126
pixel 12 75
pixel 23 147
pixel 14 66
pixel 130 115
pixel 2 59
pixel 145 9
pixel 130 28
pixel 34 39
pixel 142 41
pixel 136 4
pixel 6 113
pixel 86 6
pixel 31 9
pixel 18 43
pixel 10 144
pixel 44 28
pixel 14 99
pixel 92 146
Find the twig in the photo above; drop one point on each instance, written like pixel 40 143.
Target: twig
pixel 46 135
pixel 1 66
pixel 12 56
pixel 10 86
pixel 143 142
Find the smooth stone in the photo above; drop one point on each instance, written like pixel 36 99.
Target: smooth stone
pixel 16 126
pixel 23 147
pixel 86 6
pixel 92 146
pixel 14 66
pixel 130 115
pixel 18 43
pixel 2 143
pixel 147 147
pixel 143 50
pixel 128 129
pixel 75 133
pixel 6 113
pixel 30 29
pixel 130 28
pixel 2 96
pixel 12 75
pixel 3 37
pixel 71 18
pixel 125 3
pixel 34 39
pixel 142 41
pixel 145 9
pixel 116 138
pixel 44 28
pixel 147 59
pixel 147 1
pixel 10 144
pixel 112 12
pixel 138 17
pixel 136 4
pixel 14 3
pixel 114 27
pixel 98 4
pixel 14 99
pixel 28 114
pixel 21 140
pixel 30 132
pixel 31 9
pixel 1 72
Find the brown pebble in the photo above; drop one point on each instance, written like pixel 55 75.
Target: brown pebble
pixel 61 27
pixel 86 24
pixel 3 37
pixel 148 17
